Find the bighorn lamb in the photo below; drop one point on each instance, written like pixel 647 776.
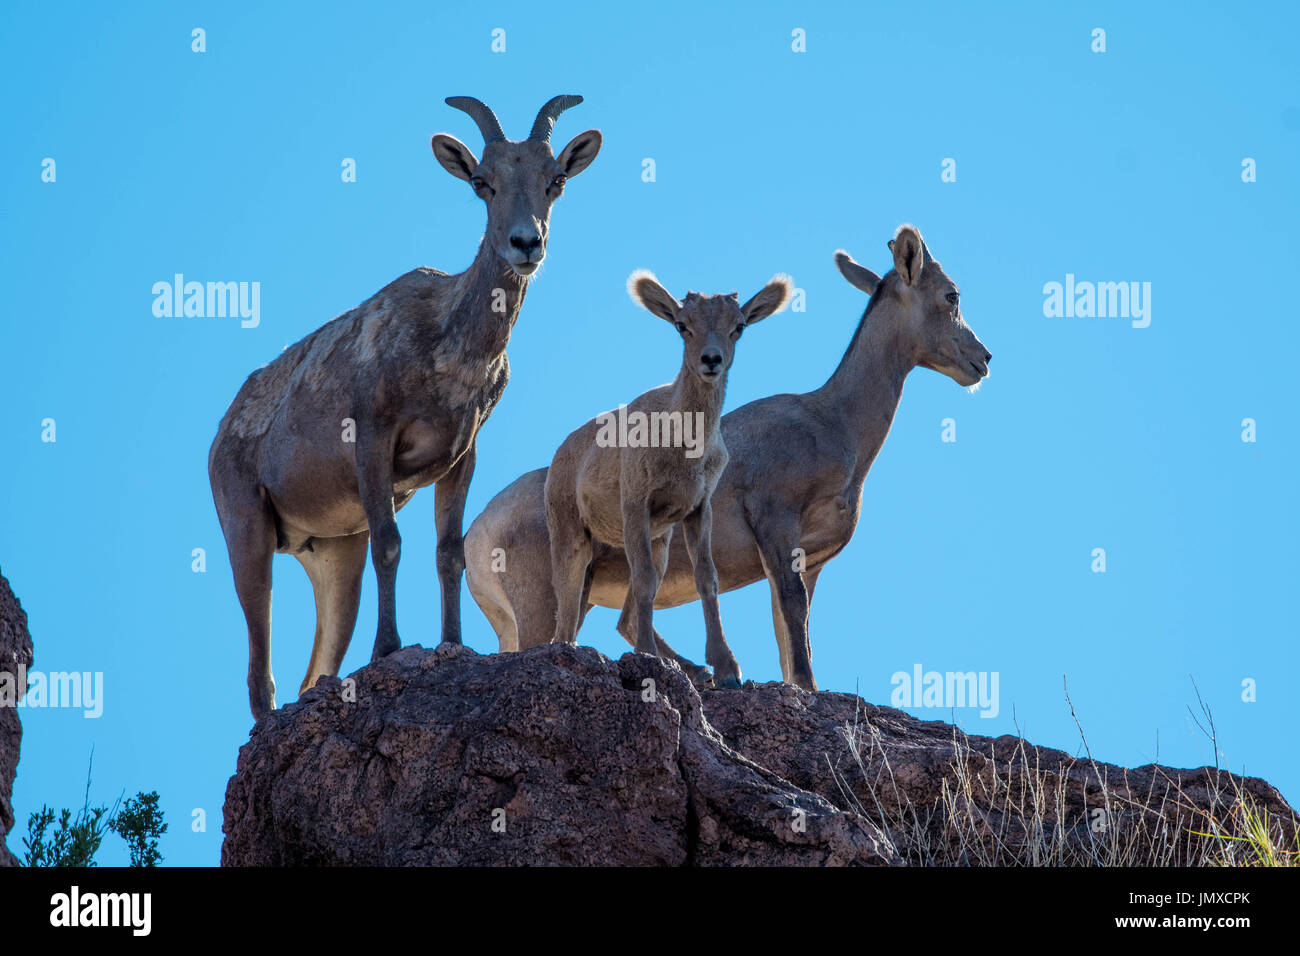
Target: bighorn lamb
pixel 324 445
pixel 626 478
pixel 794 479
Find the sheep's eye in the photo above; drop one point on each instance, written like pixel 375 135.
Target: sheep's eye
pixel 737 330
pixel 478 183
pixel 952 298
pixel 681 327
pixel 559 181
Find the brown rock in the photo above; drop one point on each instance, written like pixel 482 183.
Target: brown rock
pixel 557 746
pixel 1008 798
pixel 15 651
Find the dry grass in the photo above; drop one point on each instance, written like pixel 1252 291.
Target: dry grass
pixel 1015 812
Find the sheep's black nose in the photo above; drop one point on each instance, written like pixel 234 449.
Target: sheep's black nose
pixel 711 359
pixel 525 243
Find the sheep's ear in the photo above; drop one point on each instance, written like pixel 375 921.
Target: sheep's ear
pixel 646 292
pixel 859 276
pixel 772 298
pixel 909 253
pixel 582 149
pixel 455 157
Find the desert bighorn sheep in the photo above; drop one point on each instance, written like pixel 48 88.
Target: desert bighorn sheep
pixel 626 478
pixel 794 478
pixel 324 445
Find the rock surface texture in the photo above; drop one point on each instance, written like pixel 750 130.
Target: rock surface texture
pixel 15 652
pixel 560 756
pixel 948 798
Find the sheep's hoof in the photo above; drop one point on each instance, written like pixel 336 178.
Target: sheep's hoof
pixel 726 683
pixel 699 676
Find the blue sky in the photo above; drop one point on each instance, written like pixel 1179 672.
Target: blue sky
pixel 975 555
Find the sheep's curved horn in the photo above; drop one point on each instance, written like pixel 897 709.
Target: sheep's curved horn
pixel 549 113
pixel 487 121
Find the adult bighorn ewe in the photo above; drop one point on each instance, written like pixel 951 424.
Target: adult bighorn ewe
pixel 794 479
pixel 324 445
pixel 626 478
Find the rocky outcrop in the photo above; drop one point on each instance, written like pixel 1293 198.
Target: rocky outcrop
pixel 15 652
pixel 557 755
pixel 948 798
pixel 552 756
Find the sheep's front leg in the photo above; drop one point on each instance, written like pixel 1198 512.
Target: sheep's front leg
pixel 571 550
pixel 375 483
pixel 643 581
pixel 449 503
pixel 699 546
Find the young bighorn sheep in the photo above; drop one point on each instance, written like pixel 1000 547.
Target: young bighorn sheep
pixel 794 478
pixel 614 482
pixel 324 445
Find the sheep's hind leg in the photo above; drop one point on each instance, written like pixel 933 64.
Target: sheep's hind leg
pixel 335 567
pixel 570 557
pixel 249 528
pixel 790 600
pixel 698 674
